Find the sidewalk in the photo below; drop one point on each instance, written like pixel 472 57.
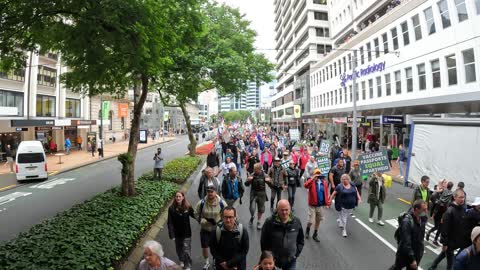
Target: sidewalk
pixel 81 158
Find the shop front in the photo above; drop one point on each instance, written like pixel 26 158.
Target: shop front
pixel 78 131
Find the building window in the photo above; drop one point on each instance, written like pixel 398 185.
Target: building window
pixel 364 90
pixel 320 2
pixel 469 62
pixel 422 79
pixel 331 71
pixel 122 123
pixel 336 97
pixel 322 32
pixel 443 8
pixel 345 93
pixel 377 48
pixel 45 106
pixel 369 51
pixel 339 66
pixel 416 27
pixel 110 117
pixel 393 31
pixel 370 88
pixel 452 69
pixel 461 10
pixel 331 98
pixel 388 86
pixel 72 108
pixel 335 68
pixel 430 22
pixel 46 76
pixel 477 5
pixel 350 61
pixel 12 99
pixel 409 79
pixel 355 58
pixel 328 99
pixel 398 82
pixel 362 58
pixel 406 38
pixel 357 92
pixel 379 86
pixel 344 64
pixel 322 16
pixel 350 93
pixel 385 43
pixel 436 79
pixel 16 75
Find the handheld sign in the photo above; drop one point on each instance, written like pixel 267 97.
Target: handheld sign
pixel 324 147
pixel 294 134
pixel 323 165
pixel 374 162
pixel 285 163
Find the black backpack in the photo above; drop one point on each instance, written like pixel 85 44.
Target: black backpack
pixel 398 231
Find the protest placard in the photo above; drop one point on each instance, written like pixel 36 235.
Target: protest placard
pixel 294 134
pixel 323 165
pixel 324 147
pixel 374 162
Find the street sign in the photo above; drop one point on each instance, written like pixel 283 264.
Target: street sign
pixel 360 119
pixel 392 119
pixel 374 162
pixel 323 165
pixel 21 129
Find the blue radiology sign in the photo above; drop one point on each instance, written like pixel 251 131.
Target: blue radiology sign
pixel 344 78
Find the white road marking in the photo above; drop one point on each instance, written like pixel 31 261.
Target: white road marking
pixel 52 183
pixel 12 196
pixel 428 226
pixel 383 240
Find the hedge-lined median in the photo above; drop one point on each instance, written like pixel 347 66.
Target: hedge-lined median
pixel 98 232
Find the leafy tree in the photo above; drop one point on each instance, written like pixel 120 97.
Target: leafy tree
pixel 109 46
pixel 232 116
pixel 221 57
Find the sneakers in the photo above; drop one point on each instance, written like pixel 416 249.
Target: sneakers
pixel 315 237
pixel 206 266
pixel 370 220
pixel 339 223
pixel 307 233
pixel 251 222
pixel 380 223
pixel 344 233
pixel 259 226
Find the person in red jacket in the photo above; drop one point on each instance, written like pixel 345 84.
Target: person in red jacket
pixel 317 200
pixel 302 160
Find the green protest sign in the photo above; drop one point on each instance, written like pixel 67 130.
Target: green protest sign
pixel 323 165
pixel 374 162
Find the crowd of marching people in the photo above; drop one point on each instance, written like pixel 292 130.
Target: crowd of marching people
pixel 274 163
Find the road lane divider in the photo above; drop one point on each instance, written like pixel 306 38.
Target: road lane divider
pixel 404 201
pixel 383 240
pixel 52 183
pixel 7 187
pixel 13 196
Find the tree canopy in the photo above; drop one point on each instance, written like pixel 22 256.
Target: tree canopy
pixel 232 116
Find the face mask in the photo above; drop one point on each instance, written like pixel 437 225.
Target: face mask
pixel 423 214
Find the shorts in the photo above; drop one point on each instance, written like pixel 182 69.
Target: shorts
pixel 315 214
pixel 260 199
pixel 205 238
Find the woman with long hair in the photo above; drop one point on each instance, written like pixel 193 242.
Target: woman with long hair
pixel 179 228
pixel 266 262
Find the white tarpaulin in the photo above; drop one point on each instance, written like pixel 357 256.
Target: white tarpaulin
pixel 447 152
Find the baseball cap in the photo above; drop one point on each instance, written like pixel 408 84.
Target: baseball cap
pixel 475 233
pixel 210 188
pixel 317 172
pixel 277 159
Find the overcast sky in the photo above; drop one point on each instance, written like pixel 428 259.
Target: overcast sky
pixel 260 13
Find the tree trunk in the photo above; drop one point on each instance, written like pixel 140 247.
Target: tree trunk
pixel 128 182
pixel 192 146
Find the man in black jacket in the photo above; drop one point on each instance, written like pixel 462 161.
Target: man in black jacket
pixel 410 244
pixel 229 242
pixel 455 230
pixel 282 234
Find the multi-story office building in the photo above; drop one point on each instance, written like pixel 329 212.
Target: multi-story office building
pixel 253 96
pixel 34 105
pixel 412 57
pixel 232 103
pixel 302 35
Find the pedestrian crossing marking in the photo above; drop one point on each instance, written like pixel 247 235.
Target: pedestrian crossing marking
pixel 435 249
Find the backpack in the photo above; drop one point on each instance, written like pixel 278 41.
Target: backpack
pixel 202 204
pixel 218 233
pixel 400 219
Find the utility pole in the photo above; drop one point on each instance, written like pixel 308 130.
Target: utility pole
pixel 28 84
pixel 354 97
pixel 100 134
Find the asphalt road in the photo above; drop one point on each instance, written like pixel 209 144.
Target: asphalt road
pixel 29 204
pixel 368 246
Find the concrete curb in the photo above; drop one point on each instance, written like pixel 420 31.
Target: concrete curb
pixel 136 254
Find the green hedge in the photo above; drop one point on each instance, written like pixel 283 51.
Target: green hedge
pixel 96 233
pixel 179 169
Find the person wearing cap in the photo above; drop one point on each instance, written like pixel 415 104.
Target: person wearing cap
pixel 293 181
pixel 469 258
pixel 317 199
pixel 208 212
pixel 279 182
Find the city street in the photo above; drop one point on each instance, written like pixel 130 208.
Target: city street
pixel 26 205
pixel 368 245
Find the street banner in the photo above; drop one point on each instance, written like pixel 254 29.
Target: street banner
pixel 323 165
pixel 294 134
pixel 324 147
pixel 374 162
pixel 262 117
pixel 105 109
pixel 122 110
pixel 297 111
pixel 165 116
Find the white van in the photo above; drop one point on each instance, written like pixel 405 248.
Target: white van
pixel 31 161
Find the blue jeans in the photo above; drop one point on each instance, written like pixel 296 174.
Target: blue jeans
pixel 292 265
pixel 68 150
pixel 402 172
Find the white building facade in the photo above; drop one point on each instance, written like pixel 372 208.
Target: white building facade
pixel 417 57
pixel 253 96
pixel 302 35
pixel 232 103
